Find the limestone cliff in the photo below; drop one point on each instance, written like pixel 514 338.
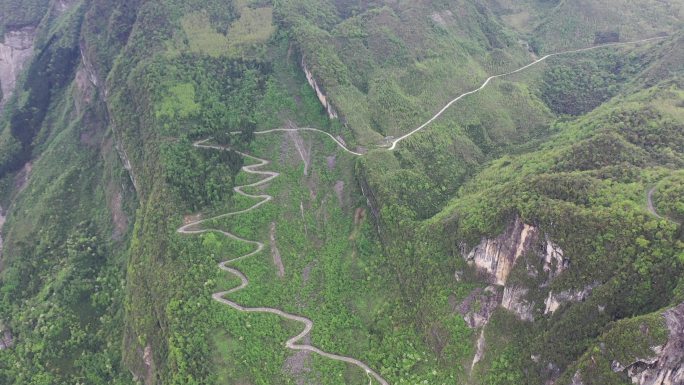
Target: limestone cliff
pixel 666 366
pixel 554 301
pixel 2 223
pixel 514 300
pixel 554 261
pixel 322 97
pixel 496 257
pixel 15 51
pixel 479 306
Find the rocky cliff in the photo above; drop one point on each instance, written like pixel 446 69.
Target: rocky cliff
pixel 15 51
pixel 496 257
pixel 322 97
pixel 2 223
pixel 555 300
pixel 666 366
pixel 514 300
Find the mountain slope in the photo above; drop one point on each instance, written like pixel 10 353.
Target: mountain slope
pixel 511 241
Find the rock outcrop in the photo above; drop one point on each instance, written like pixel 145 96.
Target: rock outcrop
pixel 496 257
pixel 15 51
pixel 479 354
pixel 514 300
pixel 666 366
pixel 554 261
pixel 322 97
pixel 62 6
pixel 554 301
pixel 577 379
pixel 479 306
pixel 2 223
pixel 6 338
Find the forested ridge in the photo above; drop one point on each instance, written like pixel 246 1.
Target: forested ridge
pixel 574 164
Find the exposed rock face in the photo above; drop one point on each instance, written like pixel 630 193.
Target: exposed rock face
pixel 513 300
pixel 478 307
pixel 496 257
pixel 332 113
pixel 554 301
pixel 6 338
pixel 126 164
pixel 62 6
pixel 667 366
pixel 554 262
pixel 14 53
pixel 479 354
pixel 577 379
pixel 2 223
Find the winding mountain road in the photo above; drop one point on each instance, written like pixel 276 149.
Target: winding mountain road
pixel 439 113
pixel 195 227
pixel 489 79
pixel 650 205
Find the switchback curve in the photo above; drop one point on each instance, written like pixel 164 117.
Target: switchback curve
pixel 194 228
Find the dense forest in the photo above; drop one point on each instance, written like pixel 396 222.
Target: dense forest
pixel 531 234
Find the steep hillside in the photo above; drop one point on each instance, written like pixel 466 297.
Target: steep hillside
pixel 386 67
pixel 68 205
pixel 556 25
pixel 566 221
pixel 529 234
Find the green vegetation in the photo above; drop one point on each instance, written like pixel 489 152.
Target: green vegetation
pixel 62 285
pixel 668 197
pixel 97 284
pixel 388 68
pixel 577 86
pixel 554 25
pixel 47 75
pixel 626 341
pixel 16 15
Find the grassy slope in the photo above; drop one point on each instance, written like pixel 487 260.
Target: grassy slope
pixel 183 318
pixel 388 68
pixel 578 21
pixel 558 25
pixel 383 298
